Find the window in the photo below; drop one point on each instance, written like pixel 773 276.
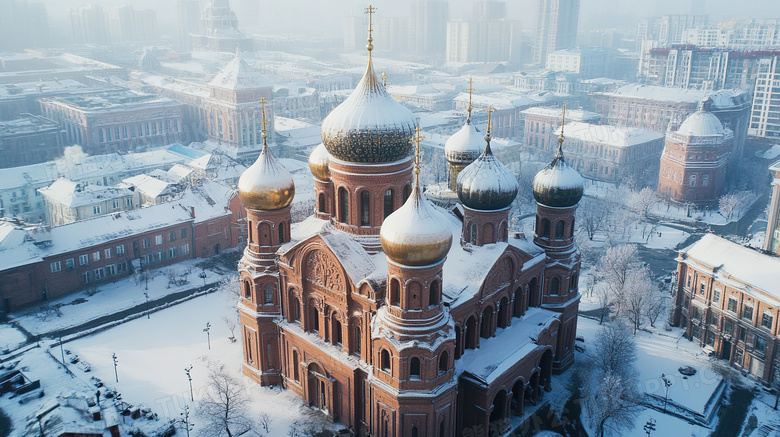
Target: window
pixel 158 240
pixel 766 320
pixel 129 202
pixel 742 334
pixel 705 180
pixel 70 263
pixel 183 233
pixel 96 209
pixel 554 286
pixel 121 267
pixel 83 260
pixel 546 228
pixel 343 206
pixel 716 295
pixel 732 305
pixel 760 345
pixel 56 266
pixel 444 362
pixel 172 236
pixel 728 327
pixel 702 286
pixel 693 180
pixel 85 277
pixel 394 292
pixel 385 360
pixel 111 270
pixel 171 252
pixel 688 282
pixel 414 368
pixel 388 202
pixel 714 319
pixel 147 243
pixel 473 234
pixel 107 253
pixel 99 274
pixel 365 209
pixel 747 312
pixel 115 204
pixel 185 249
pixel 559 229
pixel 281 233
pixel 96 256
pixel 120 250
pixel 269 294
pixel 295 365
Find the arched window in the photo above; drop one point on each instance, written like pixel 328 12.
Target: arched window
pixel 559 229
pixel 473 233
pixel 247 290
pixel 573 281
pixel 295 364
pixel 357 347
pixel 406 193
pixel 343 206
pixel 414 432
pixel 435 293
pixel 414 368
pixel 281 233
pixel 269 294
pixel 444 361
pixel 395 292
pixel 693 180
pixel 322 206
pixel 554 286
pixel 572 226
pixel 385 361
pixel 249 228
pixel 264 233
pixel 388 202
pixel 296 309
pixel 315 319
pixel 545 228
pixel 336 331
pixel 365 209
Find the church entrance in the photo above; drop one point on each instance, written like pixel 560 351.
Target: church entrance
pixel 317 393
pixel 726 351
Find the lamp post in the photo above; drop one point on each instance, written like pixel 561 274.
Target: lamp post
pixel 116 375
pixel 62 351
pixel 650 426
pixel 667 384
pixel 208 336
pixel 146 295
pixel 186 420
pixel 189 377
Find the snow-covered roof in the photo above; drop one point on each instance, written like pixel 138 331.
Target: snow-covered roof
pixel 720 99
pixel 734 261
pixel 608 134
pixel 238 75
pixel 701 124
pixel 148 185
pixel 572 114
pixel 72 194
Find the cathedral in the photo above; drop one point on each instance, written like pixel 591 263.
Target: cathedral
pixel 392 315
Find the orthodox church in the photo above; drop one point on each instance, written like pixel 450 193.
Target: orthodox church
pixel 392 315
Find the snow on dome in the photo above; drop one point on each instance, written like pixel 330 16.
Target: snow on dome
pixel 701 124
pixel 486 184
pixel 369 126
pixel 465 145
pixel 416 234
pixel 239 75
pixel 558 184
pixel 266 185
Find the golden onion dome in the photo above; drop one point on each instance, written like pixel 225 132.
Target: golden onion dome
pixel 266 185
pixel 318 163
pixel 416 233
pixel 369 126
pixel 465 145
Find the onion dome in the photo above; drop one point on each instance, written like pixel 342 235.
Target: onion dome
pixel 416 233
pixel 558 185
pixel 369 126
pixel 465 145
pixel 266 185
pixel 701 124
pixel 318 163
pixel 486 184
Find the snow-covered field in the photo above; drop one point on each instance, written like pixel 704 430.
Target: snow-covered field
pixel 10 338
pixel 153 353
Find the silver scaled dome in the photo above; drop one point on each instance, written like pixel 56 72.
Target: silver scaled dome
pixel 416 234
pixel 558 185
pixel 318 163
pixel 266 185
pixel 370 126
pixel 465 145
pixel 486 184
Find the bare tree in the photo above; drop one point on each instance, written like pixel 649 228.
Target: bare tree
pixel 265 421
pixel 591 216
pixel 657 305
pixel 613 267
pixel 231 324
pixel 728 204
pixel 643 201
pixel 613 404
pixel 614 351
pixel 633 299
pixel 224 407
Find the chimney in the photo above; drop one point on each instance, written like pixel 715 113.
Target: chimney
pixel 192 211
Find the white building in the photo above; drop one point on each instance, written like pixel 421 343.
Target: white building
pixel 556 27
pixel 70 202
pixel 588 62
pixel 765 116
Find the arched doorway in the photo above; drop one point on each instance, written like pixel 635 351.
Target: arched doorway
pixel 502 312
pixel 518 390
pixel 471 333
pixel 518 309
pixel 533 293
pixel 532 389
pixel 315 379
pixel 546 374
pixel 486 328
pixel 498 414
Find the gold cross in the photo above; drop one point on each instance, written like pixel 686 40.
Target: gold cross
pixel 384 79
pixel 470 89
pixel 490 117
pixel 265 134
pixel 418 152
pixel 560 138
pixel 370 10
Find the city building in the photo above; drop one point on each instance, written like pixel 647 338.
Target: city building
pixel 668 29
pixel 654 107
pixel 487 36
pixel 40 263
pixel 29 140
pixel 772 241
pixel 540 123
pixel 765 117
pixel 726 299
pixel 694 160
pixel 125 24
pixel 187 22
pixel 373 308
pixel 587 62
pixel 556 27
pixel 69 202
pixel 428 28
pixel 219 30
pixel 23 24
pixel 50 71
pixel 88 24
pixel 112 121
pixel 755 33
pixel 612 153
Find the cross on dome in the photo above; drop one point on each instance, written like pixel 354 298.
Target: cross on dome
pixel 265 133
pixel 370 10
pixel 384 78
pixel 418 154
pixel 560 137
pixel 470 89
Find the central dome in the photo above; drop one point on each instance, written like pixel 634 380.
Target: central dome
pixel 370 126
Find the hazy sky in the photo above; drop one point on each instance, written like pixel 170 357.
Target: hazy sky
pixel 325 16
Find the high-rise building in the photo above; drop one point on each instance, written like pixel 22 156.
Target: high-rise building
pixel 487 37
pixel 556 27
pixel 23 25
pixel 188 21
pixel 428 27
pixel 772 242
pixel 765 117
pixel 668 29
pixel 88 24
pixel 127 24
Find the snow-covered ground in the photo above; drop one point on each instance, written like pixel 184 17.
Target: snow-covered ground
pixel 10 338
pixel 153 353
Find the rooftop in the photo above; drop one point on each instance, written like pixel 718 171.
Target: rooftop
pixel 111 99
pixel 571 114
pixel 27 124
pixel 608 134
pixel 73 194
pixel 722 99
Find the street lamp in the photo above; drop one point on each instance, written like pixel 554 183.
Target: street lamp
pixel 62 351
pixel 208 336
pixel 186 415
pixel 189 377
pixel 667 384
pixel 650 426
pixel 116 375
pixel 146 295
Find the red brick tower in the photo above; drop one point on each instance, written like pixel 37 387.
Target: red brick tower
pixel 267 189
pixel 558 189
pixel 486 189
pixel 413 340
